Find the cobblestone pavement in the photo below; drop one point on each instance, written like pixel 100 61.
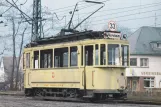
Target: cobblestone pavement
pixel 15 101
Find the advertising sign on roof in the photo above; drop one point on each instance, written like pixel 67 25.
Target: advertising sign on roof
pixel 112 35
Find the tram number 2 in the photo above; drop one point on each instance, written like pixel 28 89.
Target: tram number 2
pixel 53 75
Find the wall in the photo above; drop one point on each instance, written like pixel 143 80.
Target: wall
pixel 154 69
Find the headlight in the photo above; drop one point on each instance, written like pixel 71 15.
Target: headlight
pixel 122 87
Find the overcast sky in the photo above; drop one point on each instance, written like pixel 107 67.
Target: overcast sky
pixel 146 8
pixel 128 13
pixel 131 14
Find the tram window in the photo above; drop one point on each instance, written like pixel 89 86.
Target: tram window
pixel 113 54
pixel 125 60
pixel 61 57
pixel 27 60
pixel 36 59
pixel 46 58
pixel 82 55
pixel 103 55
pixel 89 55
pixel 96 54
pixel 23 60
pixel 73 56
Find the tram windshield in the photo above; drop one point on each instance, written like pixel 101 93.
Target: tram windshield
pixel 113 54
pixel 125 53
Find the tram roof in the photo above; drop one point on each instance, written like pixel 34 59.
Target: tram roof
pixel 70 37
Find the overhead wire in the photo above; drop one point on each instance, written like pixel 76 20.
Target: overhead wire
pixel 122 15
pixel 7 9
pixel 122 20
pixel 119 8
pixel 156 4
pixel 131 14
pixel 71 6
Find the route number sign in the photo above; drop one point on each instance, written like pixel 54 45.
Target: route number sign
pixel 112 26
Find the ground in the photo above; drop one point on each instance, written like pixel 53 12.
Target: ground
pixel 20 101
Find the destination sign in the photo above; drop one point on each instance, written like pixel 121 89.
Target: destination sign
pixel 112 35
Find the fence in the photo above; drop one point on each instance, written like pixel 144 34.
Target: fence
pixel 147 95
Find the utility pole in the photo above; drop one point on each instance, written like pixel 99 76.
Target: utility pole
pixel 37 21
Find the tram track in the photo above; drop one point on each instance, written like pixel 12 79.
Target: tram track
pixel 109 101
pixel 73 100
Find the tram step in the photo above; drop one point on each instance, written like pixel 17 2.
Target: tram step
pixel 89 96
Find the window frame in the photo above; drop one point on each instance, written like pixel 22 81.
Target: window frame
pixel 84 58
pixel 24 61
pixel 70 64
pixel 142 59
pixel 61 59
pixel 136 62
pixel 29 60
pixel 96 63
pixel 34 59
pixel 105 48
pixel 128 58
pixel 150 79
pixel 119 52
pixel 40 58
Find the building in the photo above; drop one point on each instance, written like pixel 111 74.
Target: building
pixel 6 68
pixel 145 59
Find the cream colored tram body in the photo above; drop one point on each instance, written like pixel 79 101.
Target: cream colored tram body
pixel 86 64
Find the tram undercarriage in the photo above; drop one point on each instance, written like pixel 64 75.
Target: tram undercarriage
pixel 67 93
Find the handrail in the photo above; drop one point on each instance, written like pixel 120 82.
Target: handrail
pixel 93 78
pixel 29 78
pixel 82 78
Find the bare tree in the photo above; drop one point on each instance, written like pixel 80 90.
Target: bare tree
pixel 19 58
pixel 18 29
pixel 14 54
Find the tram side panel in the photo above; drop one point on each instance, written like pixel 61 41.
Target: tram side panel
pixel 55 78
pixel 105 80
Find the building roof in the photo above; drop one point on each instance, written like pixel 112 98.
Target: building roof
pixel 143 41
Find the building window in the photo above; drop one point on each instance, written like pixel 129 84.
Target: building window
pixel 27 60
pixel 148 82
pixel 133 61
pixel 158 45
pixel 144 62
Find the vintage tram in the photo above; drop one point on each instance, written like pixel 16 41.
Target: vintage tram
pixel 88 64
